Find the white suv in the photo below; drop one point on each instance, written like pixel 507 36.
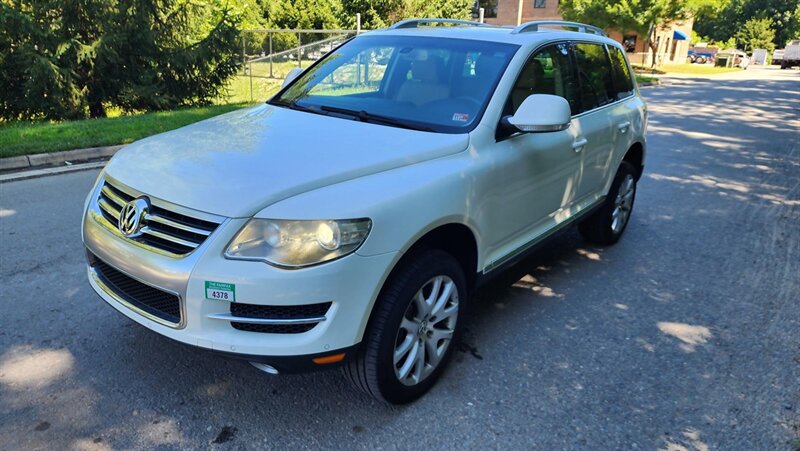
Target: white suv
pixel 347 220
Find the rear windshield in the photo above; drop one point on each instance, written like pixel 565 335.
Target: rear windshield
pixel 434 84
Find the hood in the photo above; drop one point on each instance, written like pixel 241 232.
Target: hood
pixel 238 163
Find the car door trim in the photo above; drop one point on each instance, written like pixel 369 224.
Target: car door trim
pixel 514 255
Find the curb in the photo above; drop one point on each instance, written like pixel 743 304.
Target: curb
pixel 54 158
pixel 36 173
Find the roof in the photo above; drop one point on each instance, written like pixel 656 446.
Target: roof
pixel 494 34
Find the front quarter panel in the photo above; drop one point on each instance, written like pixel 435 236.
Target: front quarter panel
pixel 403 204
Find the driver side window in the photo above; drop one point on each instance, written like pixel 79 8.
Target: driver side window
pixel 549 71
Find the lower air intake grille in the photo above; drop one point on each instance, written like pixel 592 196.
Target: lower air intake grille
pixel 310 312
pixel 144 297
pixel 280 311
pixel 274 328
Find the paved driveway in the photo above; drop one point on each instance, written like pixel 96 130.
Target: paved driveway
pixel 685 334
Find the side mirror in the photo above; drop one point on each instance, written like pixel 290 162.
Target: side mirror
pixel 541 113
pixel 294 73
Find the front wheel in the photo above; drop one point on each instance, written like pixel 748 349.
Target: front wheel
pixel 410 338
pixel 606 225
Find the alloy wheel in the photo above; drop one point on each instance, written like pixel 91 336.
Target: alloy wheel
pixel 623 204
pixel 426 330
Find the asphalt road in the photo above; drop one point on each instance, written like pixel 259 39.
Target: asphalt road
pixel 684 335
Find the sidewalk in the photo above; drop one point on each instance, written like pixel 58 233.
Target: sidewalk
pixel 39 165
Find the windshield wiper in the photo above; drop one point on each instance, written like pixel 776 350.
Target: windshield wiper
pixel 365 116
pixel 298 107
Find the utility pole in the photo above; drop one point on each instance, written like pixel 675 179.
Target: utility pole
pixel 519 13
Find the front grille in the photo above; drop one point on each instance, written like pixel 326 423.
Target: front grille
pixel 158 303
pixel 311 312
pixel 163 229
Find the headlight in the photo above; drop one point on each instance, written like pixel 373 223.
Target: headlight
pixel 295 244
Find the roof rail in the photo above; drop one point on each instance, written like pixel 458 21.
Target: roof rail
pixel 414 23
pixel 581 27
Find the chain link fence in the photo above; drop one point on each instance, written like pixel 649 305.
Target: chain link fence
pixel 269 54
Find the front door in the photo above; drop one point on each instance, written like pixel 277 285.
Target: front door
pixel 534 176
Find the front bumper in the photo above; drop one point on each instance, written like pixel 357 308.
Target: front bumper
pixel 350 284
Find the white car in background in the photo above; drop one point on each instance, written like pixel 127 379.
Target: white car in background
pixel 791 55
pixel 347 220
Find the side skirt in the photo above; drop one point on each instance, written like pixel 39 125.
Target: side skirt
pixel 532 246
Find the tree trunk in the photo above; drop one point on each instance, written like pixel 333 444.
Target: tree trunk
pixel 653 43
pixel 653 50
pixel 96 109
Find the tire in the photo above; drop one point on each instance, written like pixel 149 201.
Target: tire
pixel 606 225
pixel 397 313
pixel 700 60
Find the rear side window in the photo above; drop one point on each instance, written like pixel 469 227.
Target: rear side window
pixel 623 85
pixel 594 73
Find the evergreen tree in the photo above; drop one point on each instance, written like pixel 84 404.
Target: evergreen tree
pixel 382 13
pixel 73 58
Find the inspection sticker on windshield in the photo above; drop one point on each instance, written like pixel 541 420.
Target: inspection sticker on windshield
pixel 219 291
pixel 460 117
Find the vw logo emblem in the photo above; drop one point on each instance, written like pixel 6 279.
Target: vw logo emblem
pixel 131 218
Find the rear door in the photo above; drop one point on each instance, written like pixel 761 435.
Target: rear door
pixel 626 114
pixel 596 120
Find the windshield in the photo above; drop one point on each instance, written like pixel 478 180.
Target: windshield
pixel 423 83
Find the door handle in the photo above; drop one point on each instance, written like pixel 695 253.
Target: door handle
pixel 623 126
pixel 578 145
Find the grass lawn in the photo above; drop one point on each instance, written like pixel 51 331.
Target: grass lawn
pixel 644 79
pixel 22 138
pixel 692 69
pixel 700 69
pixel 238 90
pixel 25 138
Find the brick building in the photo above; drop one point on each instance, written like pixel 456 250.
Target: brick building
pixel 672 39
